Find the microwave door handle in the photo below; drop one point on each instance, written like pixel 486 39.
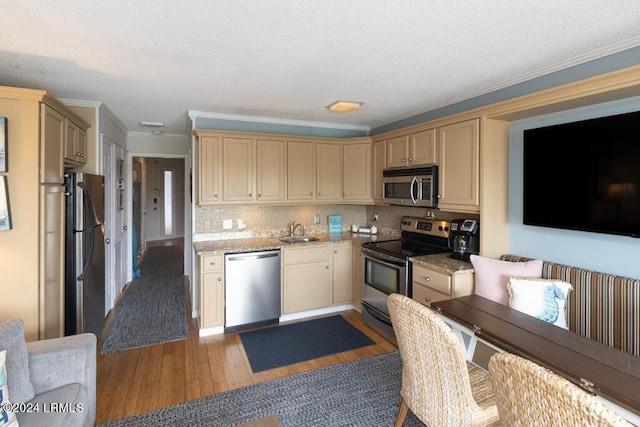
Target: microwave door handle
pixel 414 182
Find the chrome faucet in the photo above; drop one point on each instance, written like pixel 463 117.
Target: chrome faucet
pixel 294 225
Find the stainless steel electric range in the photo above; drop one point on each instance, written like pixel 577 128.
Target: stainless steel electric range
pixel 387 268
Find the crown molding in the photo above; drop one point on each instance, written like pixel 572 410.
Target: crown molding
pixel 194 114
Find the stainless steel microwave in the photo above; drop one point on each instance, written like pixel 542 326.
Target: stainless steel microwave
pixel 411 186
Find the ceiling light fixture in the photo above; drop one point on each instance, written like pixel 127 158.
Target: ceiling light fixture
pixel 156 127
pixel 344 106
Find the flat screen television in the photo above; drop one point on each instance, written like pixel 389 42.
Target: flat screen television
pixel 584 175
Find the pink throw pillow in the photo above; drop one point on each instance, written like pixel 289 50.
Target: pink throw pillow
pixel 492 276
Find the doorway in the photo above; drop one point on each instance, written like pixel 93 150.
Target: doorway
pixel 158 196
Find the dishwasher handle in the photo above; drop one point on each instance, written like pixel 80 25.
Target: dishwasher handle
pixel 244 257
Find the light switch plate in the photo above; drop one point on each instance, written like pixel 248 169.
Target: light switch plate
pixel 316 219
pixel 227 224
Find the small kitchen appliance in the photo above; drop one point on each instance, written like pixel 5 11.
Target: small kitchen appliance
pixel 464 238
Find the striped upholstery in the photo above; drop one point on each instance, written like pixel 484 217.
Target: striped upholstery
pixel 603 307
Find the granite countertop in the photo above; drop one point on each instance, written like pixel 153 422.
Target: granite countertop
pixel 443 263
pixel 267 243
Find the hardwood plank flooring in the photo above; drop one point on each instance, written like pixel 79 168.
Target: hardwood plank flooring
pixel 140 380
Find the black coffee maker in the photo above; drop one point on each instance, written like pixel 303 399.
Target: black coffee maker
pixel 464 238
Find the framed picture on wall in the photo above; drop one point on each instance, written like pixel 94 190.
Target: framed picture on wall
pixel 3 144
pixel 5 212
pixel 121 199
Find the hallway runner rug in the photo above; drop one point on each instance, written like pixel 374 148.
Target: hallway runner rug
pixel 278 346
pixel 153 308
pixel 363 392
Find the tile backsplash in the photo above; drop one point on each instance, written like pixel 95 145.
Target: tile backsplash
pixel 271 220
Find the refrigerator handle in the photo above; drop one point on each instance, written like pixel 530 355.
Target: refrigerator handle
pixel 91 229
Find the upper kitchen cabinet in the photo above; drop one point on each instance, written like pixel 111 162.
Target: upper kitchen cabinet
pixel 415 149
pixel 75 143
pixel 328 171
pixel 459 166
pixel 209 170
pixel 378 162
pixel 33 265
pixel 301 170
pixel 356 172
pixel 271 170
pixel 237 169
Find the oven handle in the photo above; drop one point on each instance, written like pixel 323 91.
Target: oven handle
pixel 376 313
pixel 383 259
pixel 414 182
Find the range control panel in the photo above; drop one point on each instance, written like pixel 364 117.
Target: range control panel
pixel 427 226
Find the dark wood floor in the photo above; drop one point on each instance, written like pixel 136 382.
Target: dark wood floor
pixel 140 380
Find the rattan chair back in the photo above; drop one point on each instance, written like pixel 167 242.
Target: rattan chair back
pixel 528 394
pixel 436 381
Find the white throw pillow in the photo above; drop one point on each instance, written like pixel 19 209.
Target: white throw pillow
pixel 545 299
pixel 7 417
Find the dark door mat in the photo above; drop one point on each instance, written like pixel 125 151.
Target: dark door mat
pixel 298 342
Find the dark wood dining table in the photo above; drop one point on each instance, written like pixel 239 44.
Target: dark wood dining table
pixel 604 371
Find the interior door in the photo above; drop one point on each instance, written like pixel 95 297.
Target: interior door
pixel 153 201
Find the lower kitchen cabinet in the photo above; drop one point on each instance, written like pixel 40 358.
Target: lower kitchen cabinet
pixel 430 286
pixel 342 273
pixel 211 291
pixel 306 278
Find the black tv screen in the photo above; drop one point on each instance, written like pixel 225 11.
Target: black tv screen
pixel 584 175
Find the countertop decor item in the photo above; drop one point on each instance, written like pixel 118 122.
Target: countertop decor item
pixel 335 224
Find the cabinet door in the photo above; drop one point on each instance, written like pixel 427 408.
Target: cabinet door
pixel 379 161
pixel 342 273
pixel 52 261
pixel 329 171
pixel 306 286
pixel 70 141
pixel 270 170
pixel 51 145
pixel 301 170
pixel 212 308
pixel 356 172
pixel 422 148
pixel 358 275
pixel 237 169
pixel 397 151
pixel 458 162
pixel 209 170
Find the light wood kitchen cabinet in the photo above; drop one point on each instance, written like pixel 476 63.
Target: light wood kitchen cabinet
pixel 32 265
pixel 301 170
pixel 379 162
pixel 237 169
pixel 209 170
pixel 415 149
pixel 328 171
pixel 211 291
pixel 271 170
pixel 358 275
pixel 430 286
pixel 356 172
pixel 306 278
pixel 459 167
pixel 75 143
pixel 342 273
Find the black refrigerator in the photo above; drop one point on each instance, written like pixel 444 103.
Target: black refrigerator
pixel 84 299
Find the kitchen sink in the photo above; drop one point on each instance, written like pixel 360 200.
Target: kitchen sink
pixel 298 239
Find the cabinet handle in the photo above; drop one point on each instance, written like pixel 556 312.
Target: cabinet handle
pixel 107 241
pixel 318 194
pixel 219 279
pixel 411 159
pixel 213 263
pixel 249 194
pixel 427 299
pixel 335 252
pixel 215 195
pixel 311 193
pixel 404 160
pixel 259 195
pixel 344 194
pixel 439 196
pixel 427 279
pixel 125 228
pixel 326 266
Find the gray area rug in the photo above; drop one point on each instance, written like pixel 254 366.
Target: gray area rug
pixel 153 309
pixel 360 393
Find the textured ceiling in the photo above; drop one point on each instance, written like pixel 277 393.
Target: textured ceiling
pixel 153 60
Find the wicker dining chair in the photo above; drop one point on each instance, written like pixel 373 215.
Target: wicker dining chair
pixel 529 395
pixel 439 386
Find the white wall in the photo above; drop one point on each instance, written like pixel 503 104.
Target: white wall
pixel 595 251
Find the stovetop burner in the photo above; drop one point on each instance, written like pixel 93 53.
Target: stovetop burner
pixel 420 236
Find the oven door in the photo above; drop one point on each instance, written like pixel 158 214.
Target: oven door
pixel 383 276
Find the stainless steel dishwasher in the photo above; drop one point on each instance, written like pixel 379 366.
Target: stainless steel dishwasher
pixel 252 289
